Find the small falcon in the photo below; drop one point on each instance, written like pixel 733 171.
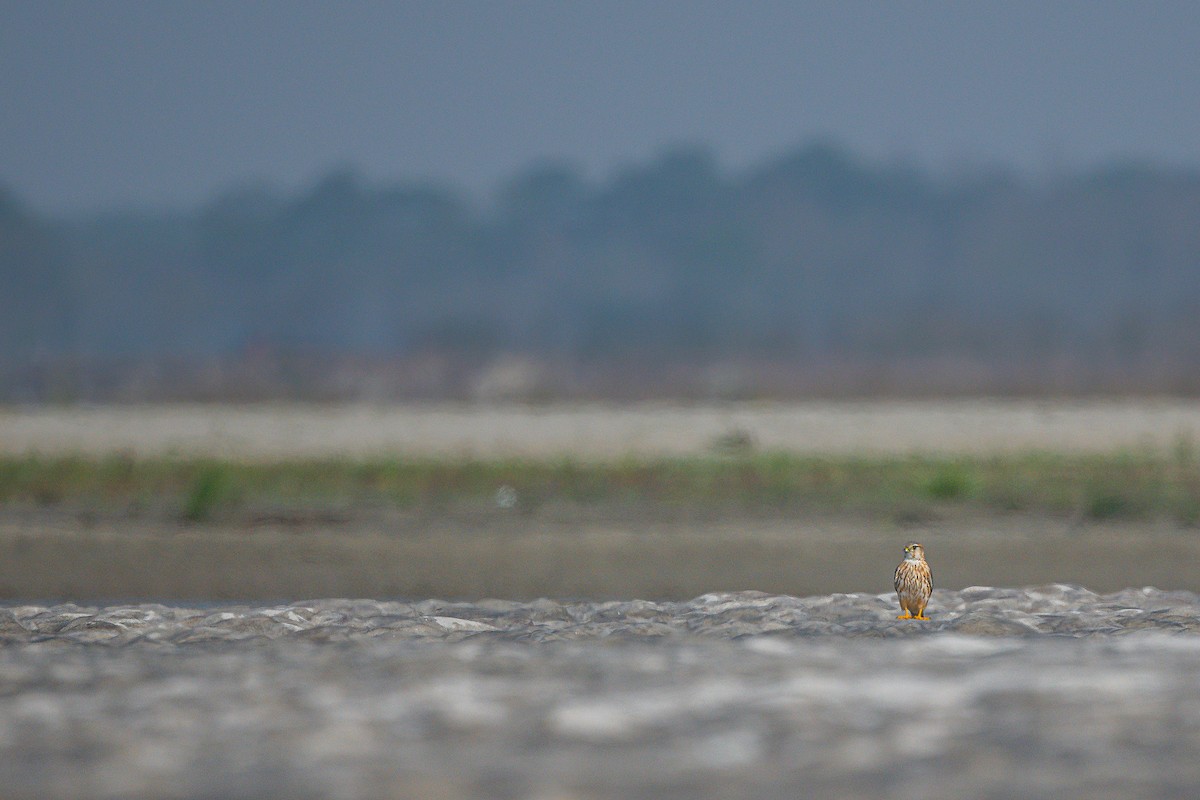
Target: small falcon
pixel 914 582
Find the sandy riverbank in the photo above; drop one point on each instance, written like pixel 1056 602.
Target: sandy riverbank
pixel 593 432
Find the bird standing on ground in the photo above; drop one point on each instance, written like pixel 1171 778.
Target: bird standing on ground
pixel 914 582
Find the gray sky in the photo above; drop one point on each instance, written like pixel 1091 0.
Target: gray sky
pixel 109 104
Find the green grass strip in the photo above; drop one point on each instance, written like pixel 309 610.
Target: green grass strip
pixel 1114 486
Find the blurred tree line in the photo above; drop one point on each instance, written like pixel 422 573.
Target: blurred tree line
pixel 818 257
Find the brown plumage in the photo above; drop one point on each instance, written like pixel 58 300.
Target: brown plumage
pixel 914 582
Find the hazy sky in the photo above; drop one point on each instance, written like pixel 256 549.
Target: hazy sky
pixel 107 104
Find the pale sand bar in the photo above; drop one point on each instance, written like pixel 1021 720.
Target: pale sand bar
pixel 599 432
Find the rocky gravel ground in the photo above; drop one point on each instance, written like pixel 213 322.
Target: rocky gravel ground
pixel 1051 691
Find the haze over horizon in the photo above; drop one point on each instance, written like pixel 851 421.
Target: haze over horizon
pixel 125 104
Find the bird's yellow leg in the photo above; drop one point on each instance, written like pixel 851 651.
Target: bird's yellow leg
pixel 906 615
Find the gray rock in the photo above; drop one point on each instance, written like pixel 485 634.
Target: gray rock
pixel 1043 691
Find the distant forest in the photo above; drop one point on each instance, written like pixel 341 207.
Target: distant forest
pixel 816 273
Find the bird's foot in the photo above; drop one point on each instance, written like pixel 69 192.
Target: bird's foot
pixel 905 615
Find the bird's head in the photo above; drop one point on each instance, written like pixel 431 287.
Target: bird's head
pixel 914 551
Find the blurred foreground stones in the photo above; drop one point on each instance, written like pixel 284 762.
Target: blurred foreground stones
pixel 1035 692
